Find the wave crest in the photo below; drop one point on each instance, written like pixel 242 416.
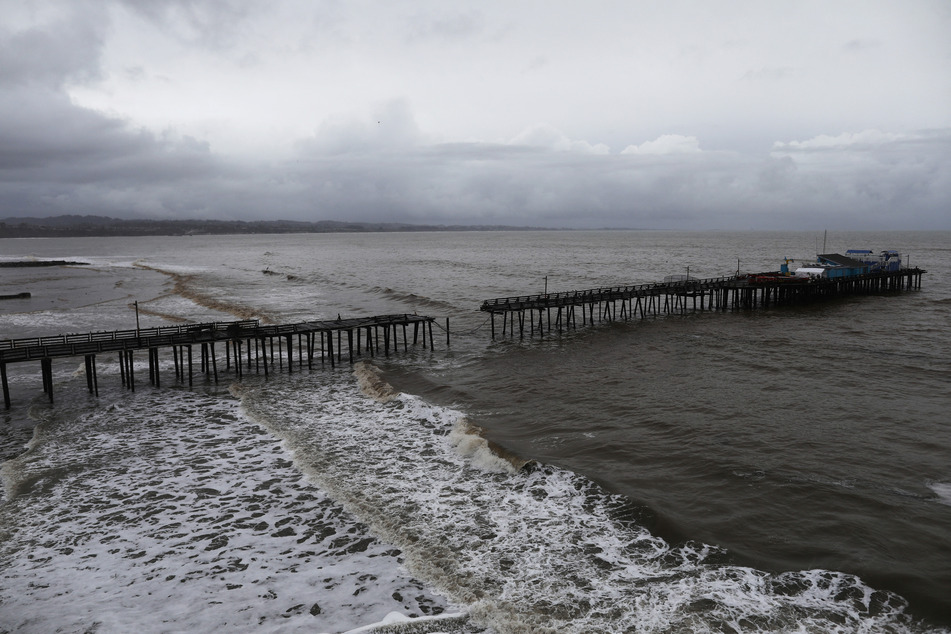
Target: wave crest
pixel 372 384
pixel 469 441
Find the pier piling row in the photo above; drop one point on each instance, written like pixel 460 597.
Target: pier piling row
pixel 559 311
pixel 247 345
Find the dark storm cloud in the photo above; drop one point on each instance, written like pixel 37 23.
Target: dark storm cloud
pixel 57 157
pixel 832 182
pixel 882 178
pixel 377 170
pixel 402 160
pixel 63 49
pixel 45 136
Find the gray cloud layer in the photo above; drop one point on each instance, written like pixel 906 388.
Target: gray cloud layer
pixel 58 157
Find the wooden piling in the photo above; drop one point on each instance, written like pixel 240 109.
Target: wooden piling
pixel 47 367
pixel 128 370
pixel 6 386
pixel 89 377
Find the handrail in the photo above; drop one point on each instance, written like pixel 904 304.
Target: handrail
pixel 601 292
pixel 25 349
pixel 116 335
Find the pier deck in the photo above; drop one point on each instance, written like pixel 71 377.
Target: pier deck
pixel 249 343
pixel 736 292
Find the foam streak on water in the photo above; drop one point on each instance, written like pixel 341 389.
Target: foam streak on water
pixel 537 550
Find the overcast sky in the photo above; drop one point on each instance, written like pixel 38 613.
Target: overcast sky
pixel 680 114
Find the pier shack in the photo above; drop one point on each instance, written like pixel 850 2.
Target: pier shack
pixel 247 345
pixel 559 311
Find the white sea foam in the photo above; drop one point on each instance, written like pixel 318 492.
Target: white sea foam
pixel 540 550
pixel 170 512
pixel 397 623
pixel 942 490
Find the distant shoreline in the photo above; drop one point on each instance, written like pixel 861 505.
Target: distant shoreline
pixel 19 263
pixel 72 226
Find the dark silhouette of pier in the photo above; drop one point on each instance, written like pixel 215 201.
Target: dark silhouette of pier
pixel 247 345
pixel 557 311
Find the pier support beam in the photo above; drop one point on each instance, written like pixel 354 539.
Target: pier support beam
pixel 92 382
pixel 46 366
pixel 125 369
pixel 154 368
pixel 6 386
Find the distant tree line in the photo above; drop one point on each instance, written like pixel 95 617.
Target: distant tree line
pixel 72 226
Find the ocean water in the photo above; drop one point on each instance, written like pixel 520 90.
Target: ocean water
pixel 772 470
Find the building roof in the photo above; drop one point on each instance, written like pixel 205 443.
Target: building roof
pixel 841 260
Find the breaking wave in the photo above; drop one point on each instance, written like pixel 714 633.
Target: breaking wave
pixel 942 490
pixel 541 549
pixel 412 299
pixel 372 384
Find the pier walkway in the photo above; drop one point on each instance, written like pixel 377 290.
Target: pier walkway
pixel 247 344
pixel 736 292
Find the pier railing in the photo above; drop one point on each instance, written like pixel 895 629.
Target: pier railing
pixel 245 342
pixel 126 335
pixel 602 293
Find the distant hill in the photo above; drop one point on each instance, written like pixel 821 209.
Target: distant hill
pixel 72 226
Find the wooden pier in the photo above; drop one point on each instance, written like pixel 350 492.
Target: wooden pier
pixel 247 345
pixel 558 311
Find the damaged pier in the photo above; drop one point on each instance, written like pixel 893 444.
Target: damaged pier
pixel 247 345
pixel 559 311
